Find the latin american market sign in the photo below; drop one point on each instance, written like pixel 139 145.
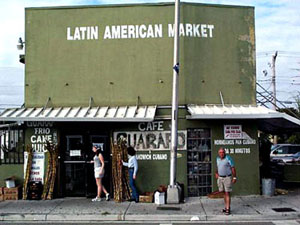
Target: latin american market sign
pixel 138 31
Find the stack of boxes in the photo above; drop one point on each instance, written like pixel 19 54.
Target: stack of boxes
pixel 1 194
pixel 35 190
pixel 12 193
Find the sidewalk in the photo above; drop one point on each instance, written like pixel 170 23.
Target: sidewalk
pixel 254 208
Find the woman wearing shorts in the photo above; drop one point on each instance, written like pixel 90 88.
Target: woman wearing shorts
pixel 98 161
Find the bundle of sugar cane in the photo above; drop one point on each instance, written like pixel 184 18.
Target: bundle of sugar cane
pixel 47 177
pixel 120 173
pixel 27 172
pixel 49 171
pixel 125 175
pixel 116 172
pixel 54 160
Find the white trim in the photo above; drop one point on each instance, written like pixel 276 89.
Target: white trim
pixel 236 112
pixel 117 115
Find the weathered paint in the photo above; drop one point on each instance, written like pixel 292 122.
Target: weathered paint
pixel 129 70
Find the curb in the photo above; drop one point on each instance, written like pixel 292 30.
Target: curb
pixel 153 217
pixel 84 217
pixel 145 217
pixel 234 217
pixel 23 217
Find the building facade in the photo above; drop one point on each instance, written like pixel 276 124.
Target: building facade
pixel 94 74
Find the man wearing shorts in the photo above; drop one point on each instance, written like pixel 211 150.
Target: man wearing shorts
pixel 226 176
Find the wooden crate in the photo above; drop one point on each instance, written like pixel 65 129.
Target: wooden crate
pixel 1 194
pixel 146 197
pixel 12 191
pixel 8 197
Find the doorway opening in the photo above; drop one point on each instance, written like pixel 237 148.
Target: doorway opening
pixel 78 171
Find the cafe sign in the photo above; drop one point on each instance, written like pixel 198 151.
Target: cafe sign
pixel 151 136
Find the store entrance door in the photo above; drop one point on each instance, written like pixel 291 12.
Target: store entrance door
pixel 102 142
pixel 79 177
pixel 75 166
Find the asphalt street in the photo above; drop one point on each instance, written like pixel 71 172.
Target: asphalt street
pixel 279 222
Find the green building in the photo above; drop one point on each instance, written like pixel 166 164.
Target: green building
pixel 94 74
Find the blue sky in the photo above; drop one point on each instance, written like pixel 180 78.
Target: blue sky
pixel 277 28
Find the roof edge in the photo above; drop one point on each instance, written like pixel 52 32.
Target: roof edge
pixel 135 4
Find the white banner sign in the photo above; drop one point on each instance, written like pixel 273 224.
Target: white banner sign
pixel 37 167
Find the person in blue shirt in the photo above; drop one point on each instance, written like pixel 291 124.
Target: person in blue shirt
pixel 132 170
pixel 226 176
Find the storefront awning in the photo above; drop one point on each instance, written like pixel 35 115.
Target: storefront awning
pixel 81 114
pixel 268 120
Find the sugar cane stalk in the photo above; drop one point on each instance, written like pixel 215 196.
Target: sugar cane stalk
pixel 27 172
pixel 54 171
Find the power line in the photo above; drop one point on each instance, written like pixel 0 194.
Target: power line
pixel 281 52
pixel 281 103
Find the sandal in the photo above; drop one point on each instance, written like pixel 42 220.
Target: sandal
pixel 224 210
pixel 227 212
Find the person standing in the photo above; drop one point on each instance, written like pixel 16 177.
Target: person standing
pixel 98 161
pixel 226 176
pixel 132 165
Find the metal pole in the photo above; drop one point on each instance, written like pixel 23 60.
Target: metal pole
pixel 274 79
pixel 274 88
pixel 174 135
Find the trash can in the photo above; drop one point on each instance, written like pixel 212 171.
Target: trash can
pixel 268 186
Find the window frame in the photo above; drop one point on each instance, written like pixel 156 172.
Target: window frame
pixel 12 145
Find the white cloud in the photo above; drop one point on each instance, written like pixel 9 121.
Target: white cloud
pixel 12 27
pixel 278 29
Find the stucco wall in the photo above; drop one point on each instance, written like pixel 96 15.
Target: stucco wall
pixel 217 54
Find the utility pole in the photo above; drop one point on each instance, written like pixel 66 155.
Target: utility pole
pixel 274 88
pixel 173 192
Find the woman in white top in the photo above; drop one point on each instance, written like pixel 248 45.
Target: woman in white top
pixel 132 170
pixel 98 161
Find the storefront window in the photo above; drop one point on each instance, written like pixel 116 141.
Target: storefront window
pixel 199 162
pixel 11 146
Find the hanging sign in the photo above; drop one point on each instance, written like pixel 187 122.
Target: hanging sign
pixel 233 132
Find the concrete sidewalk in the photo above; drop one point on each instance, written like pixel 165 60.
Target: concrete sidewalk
pixel 247 208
